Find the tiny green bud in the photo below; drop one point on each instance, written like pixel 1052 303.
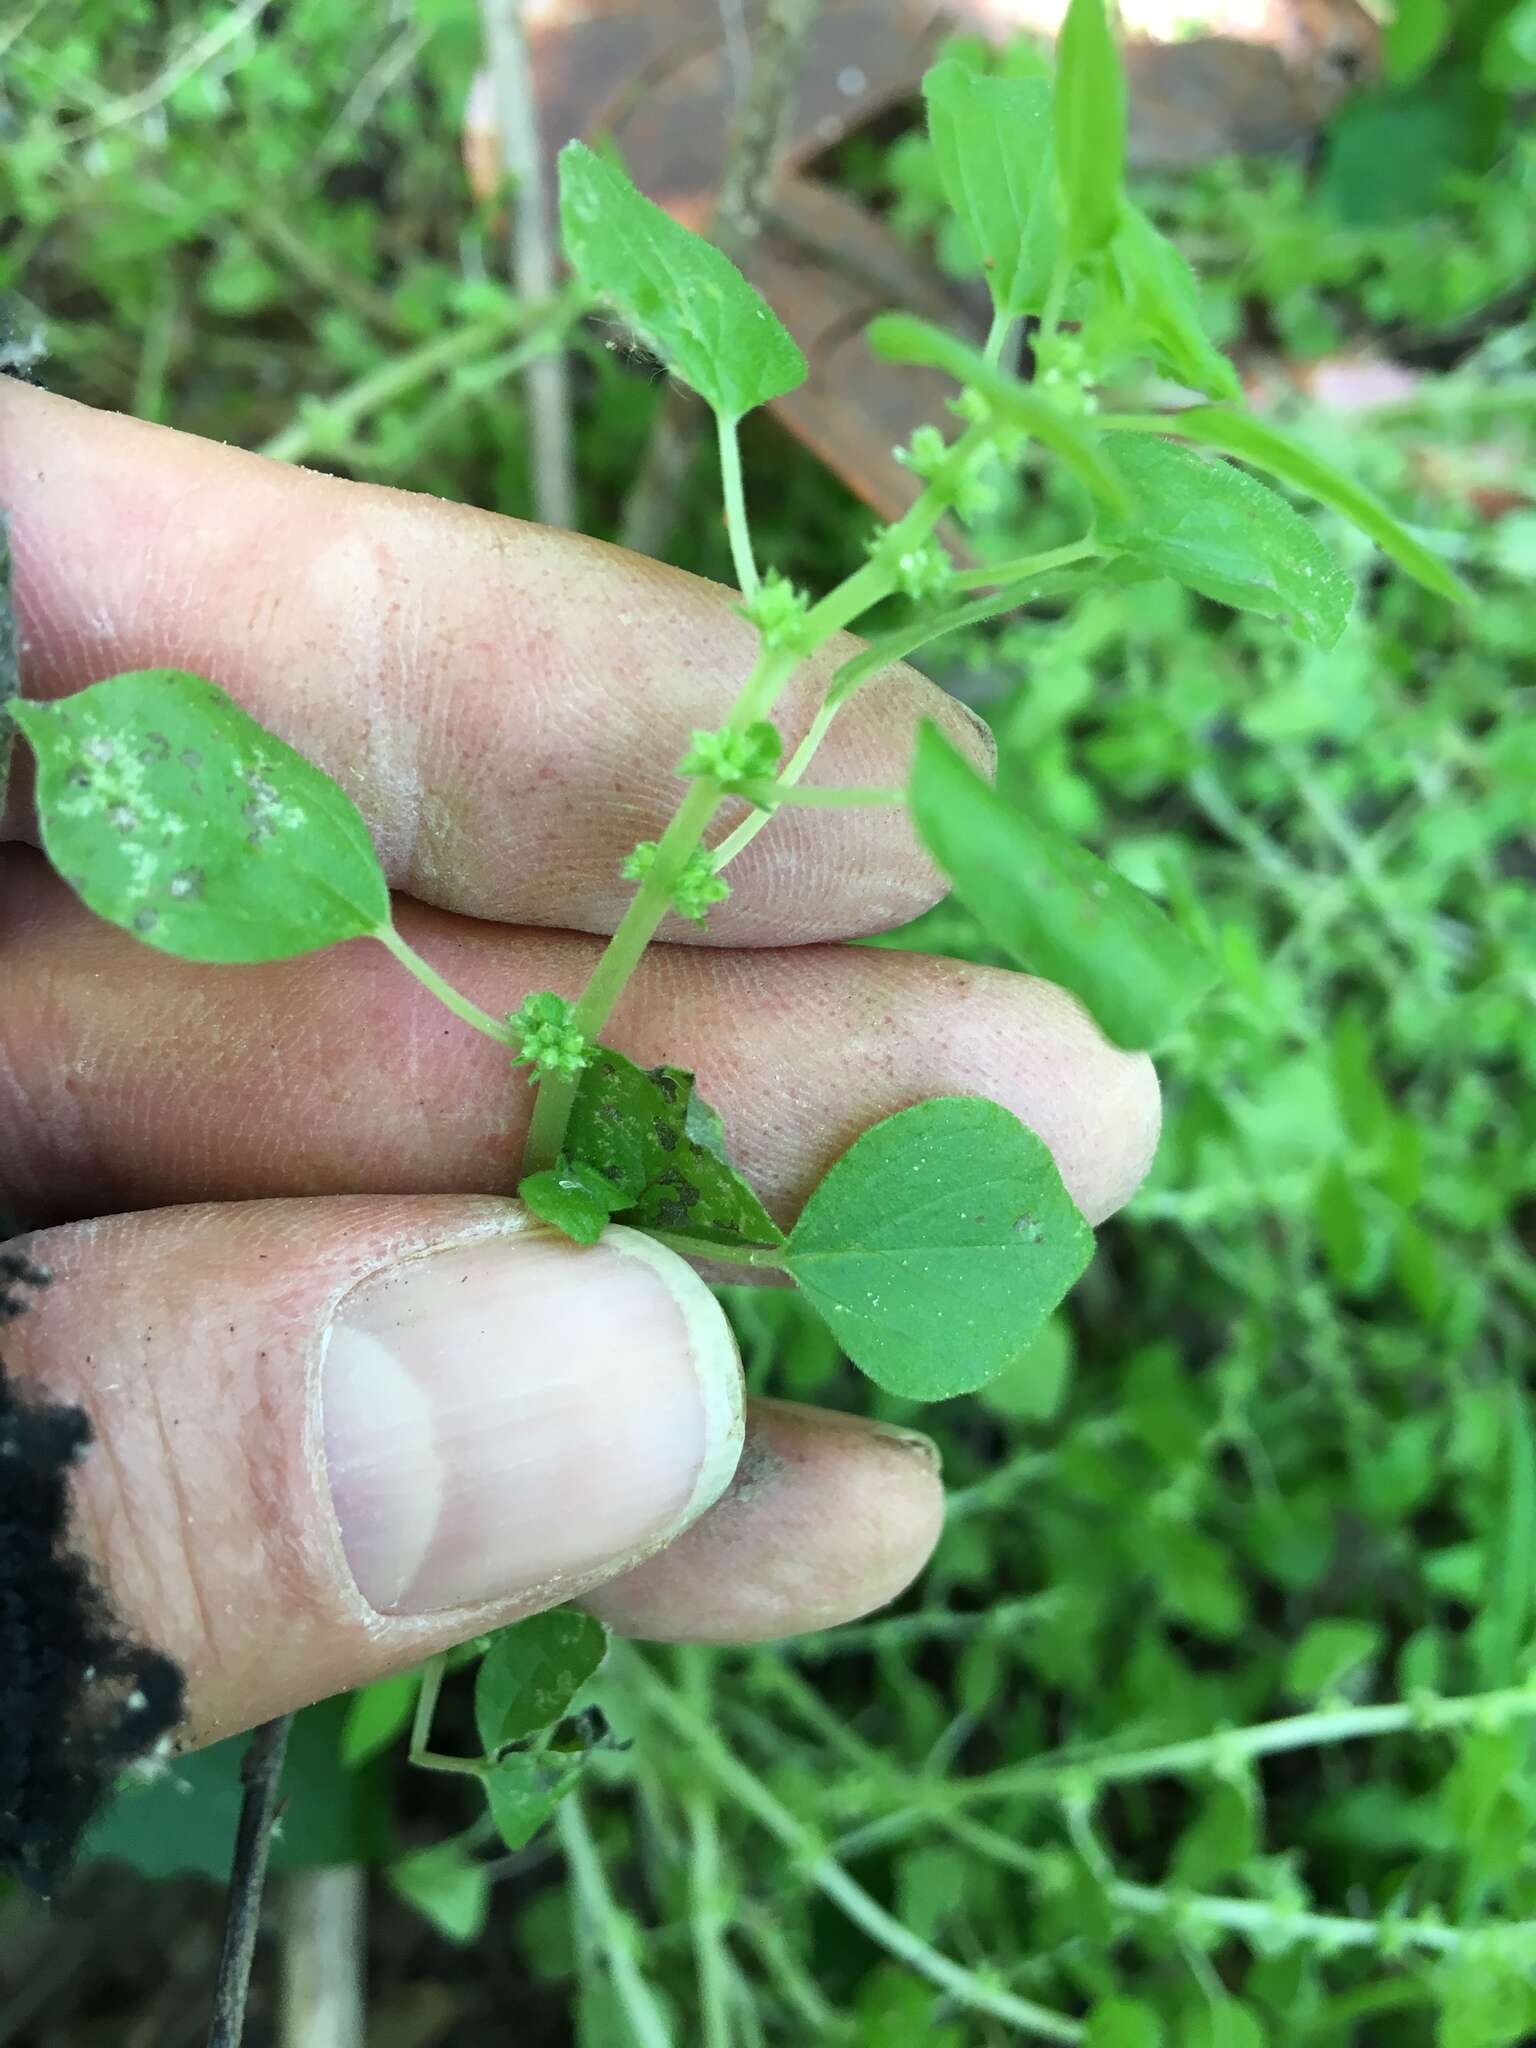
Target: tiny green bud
pixel 732 758
pixel 924 454
pixel 696 889
pixel 778 610
pixel 548 1040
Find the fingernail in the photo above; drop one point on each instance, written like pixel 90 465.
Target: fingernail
pixel 913 1440
pixel 524 1415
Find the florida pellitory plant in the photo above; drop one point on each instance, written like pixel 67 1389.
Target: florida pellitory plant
pixel 938 1244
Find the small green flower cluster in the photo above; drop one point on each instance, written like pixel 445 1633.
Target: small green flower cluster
pixel 920 573
pixel 733 758
pixel 778 610
pixel 697 889
pixel 548 1039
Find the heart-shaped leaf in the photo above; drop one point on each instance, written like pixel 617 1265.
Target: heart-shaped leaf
pixel 937 1246
pixel 532 1671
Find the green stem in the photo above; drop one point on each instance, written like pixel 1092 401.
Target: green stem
pixel 706 1881
pixel 1028 566
pixel 1259 1921
pixel 736 505
pixel 1055 298
pixel 614 1929
pixel 774 667
pixel 1237 1746
pixel 997 338
pixel 773 795
pixel 445 992
pixel 423 1758
pixel 820 1868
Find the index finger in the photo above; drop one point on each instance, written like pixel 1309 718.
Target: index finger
pixel 506 703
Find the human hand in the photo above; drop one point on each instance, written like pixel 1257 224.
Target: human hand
pixel 349 1409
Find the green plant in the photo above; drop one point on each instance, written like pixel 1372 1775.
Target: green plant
pixel 940 1244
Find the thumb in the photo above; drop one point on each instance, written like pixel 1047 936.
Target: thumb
pixel 333 1437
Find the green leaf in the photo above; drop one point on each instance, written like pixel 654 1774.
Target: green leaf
pixel 1161 306
pixel 532 1671
pixel 1056 907
pixel 1414 37
pixel 1255 441
pixel 178 817
pixel 1230 537
pixel 645 1132
pixel 1123 2023
pixel 10 660
pixel 992 142
pixel 524 1790
pixel 687 301
pixel 1090 126
pixel 937 1246
pixel 903 338
pixel 447 1887
pixel 1329 1654
pixel 572 1198
pixel 376 1715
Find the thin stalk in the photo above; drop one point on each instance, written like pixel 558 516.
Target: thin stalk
pixel 1025 566
pixel 736 505
pixel 820 1868
pixel 774 795
pixel 445 992
pixel 997 337
pixel 532 255
pixel 1236 1746
pixel 612 1929
pixel 261 1774
pixel 340 415
pixel 1055 299
pixel 706 1880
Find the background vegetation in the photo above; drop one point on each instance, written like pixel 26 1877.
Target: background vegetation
pixel 1278 1457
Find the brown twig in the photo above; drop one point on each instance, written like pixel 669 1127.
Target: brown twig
pixel 546 380
pixel 752 158
pixel 261 1774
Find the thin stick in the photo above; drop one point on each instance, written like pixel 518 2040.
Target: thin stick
pixel 10 660
pixel 261 1773
pixel 323 1920
pixel 752 158
pixel 546 380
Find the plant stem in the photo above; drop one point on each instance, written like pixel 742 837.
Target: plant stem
pixel 774 795
pixel 821 1869
pixel 1234 1746
pixel 261 1773
pixel 997 338
pixel 613 1929
pixel 532 256
pixel 706 1883
pixel 445 992
pixel 1025 566
pixel 736 505
pixel 773 669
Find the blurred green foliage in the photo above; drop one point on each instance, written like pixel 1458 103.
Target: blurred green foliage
pixel 1276 1458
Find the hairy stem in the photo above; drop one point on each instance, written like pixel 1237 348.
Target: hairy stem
pixel 445 992
pixel 261 1773
pixel 762 1260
